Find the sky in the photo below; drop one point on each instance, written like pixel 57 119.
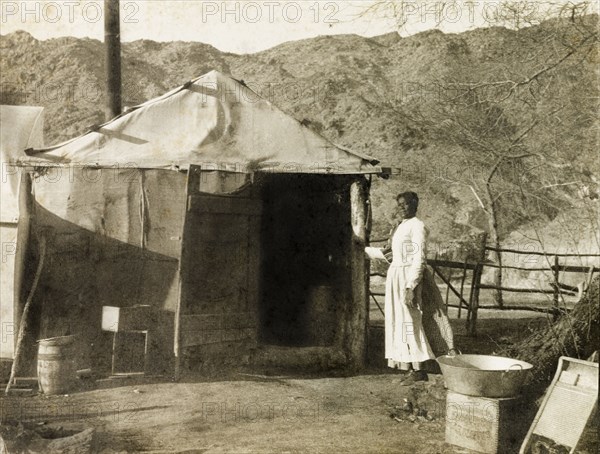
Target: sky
pixel 247 26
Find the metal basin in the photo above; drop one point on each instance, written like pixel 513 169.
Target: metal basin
pixel 484 375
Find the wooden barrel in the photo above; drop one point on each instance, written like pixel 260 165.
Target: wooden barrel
pixel 56 366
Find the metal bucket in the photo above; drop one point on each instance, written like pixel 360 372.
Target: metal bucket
pixel 484 375
pixel 56 367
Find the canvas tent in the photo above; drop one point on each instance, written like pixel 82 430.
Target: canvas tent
pixel 239 227
pixel 21 127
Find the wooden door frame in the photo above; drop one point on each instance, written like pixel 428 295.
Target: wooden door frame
pixel 192 194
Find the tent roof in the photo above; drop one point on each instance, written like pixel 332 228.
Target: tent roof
pixel 213 121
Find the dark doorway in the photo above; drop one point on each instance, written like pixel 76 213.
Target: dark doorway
pixel 305 238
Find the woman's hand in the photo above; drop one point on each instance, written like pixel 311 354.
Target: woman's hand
pixel 409 297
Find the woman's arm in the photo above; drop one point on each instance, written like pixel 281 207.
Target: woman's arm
pixel 374 253
pixel 385 253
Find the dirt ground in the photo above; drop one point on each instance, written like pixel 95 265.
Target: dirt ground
pixel 250 415
pixel 253 412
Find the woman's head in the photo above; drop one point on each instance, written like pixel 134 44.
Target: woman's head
pixel 408 202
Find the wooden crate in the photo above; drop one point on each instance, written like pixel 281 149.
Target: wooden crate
pixel 131 318
pixel 131 327
pixel 484 424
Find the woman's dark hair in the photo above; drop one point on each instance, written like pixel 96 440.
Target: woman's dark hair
pixel 411 198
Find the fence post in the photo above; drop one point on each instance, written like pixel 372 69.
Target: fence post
pixel 450 273
pixel 472 323
pixel 475 287
pixel 462 286
pixel 556 288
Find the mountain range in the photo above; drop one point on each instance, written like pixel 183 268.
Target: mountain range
pixel 388 96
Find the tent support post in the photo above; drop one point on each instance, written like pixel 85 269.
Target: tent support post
pixel 23 229
pixel 358 313
pixel 182 254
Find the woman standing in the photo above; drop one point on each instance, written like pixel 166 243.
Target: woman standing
pixel 406 346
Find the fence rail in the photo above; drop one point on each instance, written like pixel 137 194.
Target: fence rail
pixel 548 254
pixel 515 290
pixel 557 288
pixel 471 304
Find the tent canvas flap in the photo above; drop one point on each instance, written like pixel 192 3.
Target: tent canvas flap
pixel 22 127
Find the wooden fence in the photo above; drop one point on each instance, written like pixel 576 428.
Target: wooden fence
pixel 471 304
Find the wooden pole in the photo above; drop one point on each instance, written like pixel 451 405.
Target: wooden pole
pixel 437 271
pixel 472 322
pixel 183 262
pixel 470 305
pixel 462 286
pixel 378 305
pixel 24 325
pixel 448 288
pixel 23 231
pixel 556 288
pixel 545 254
pixel 588 281
pixel 358 312
pixel 112 43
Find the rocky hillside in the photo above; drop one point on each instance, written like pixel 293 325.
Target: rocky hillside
pixel 387 96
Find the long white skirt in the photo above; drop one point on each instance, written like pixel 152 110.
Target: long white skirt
pixel 405 340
